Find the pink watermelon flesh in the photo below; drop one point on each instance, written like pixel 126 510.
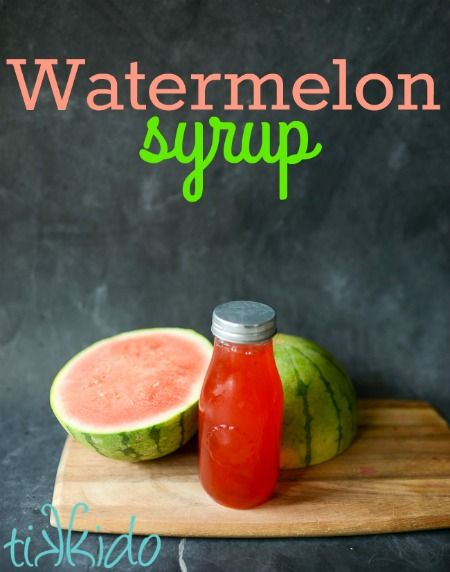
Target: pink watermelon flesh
pixel 132 379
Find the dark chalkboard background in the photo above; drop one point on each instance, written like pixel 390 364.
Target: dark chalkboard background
pixel 93 241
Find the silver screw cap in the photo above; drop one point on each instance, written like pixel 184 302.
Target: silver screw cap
pixel 243 322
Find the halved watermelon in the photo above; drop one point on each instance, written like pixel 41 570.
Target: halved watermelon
pixel 320 407
pixel 133 396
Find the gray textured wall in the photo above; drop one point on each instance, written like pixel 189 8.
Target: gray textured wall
pixel 94 241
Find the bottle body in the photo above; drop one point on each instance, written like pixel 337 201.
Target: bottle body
pixel 240 420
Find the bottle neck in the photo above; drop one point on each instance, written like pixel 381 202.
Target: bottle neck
pixel 251 348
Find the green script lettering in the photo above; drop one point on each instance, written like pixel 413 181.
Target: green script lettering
pixel 193 185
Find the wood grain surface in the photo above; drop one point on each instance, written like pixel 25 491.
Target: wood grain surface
pixel 395 477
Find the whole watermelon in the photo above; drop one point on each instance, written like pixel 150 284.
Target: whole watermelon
pixel 320 410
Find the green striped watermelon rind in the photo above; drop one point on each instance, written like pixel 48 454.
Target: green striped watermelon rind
pixel 320 407
pixel 150 441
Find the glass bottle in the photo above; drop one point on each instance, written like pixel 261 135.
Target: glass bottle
pixel 241 407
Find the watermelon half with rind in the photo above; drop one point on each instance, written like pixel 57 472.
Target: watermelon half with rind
pixel 320 406
pixel 133 396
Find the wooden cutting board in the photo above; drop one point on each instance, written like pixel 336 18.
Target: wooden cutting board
pixel 395 477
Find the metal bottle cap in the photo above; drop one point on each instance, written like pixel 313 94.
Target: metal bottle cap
pixel 243 322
